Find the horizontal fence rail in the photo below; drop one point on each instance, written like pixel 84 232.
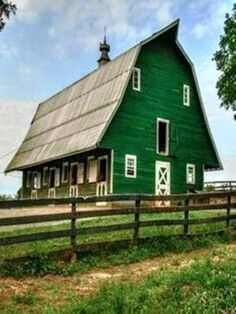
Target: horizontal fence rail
pixel 220 185
pixel 185 203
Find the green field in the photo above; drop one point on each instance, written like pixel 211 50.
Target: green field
pixel 46 246
pixel 190 276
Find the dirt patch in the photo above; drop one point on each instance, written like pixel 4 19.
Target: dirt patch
pixel 59 289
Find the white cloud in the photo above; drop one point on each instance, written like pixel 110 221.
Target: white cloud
pixel 8 51
pixel 82 22
pixel 15 117
pixel 211 15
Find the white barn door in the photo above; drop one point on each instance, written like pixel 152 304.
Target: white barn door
pixel 162 179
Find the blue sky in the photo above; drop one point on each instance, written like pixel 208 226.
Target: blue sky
pixel 49 45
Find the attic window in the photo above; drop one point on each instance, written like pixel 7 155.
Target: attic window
pixel 190 174
pixel 186 95
pixel 136 79
pixel 162 136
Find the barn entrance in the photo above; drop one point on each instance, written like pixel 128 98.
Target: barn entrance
pixel 102 179
pixel 162 179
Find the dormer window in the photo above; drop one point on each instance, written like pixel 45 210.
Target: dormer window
pixel 136 79
pixel 186 95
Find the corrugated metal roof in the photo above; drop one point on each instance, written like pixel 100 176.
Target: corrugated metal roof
pixel 74 119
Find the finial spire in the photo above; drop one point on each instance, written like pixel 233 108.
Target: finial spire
pixel 105 34
pixel 104 48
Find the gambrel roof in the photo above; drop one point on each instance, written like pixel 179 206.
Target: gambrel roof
pixel 75 119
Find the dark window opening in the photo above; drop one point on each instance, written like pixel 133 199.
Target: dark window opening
pixel 102 170
pixel 52 178
pixel 65 173
pixel 74 172
pixel 162 137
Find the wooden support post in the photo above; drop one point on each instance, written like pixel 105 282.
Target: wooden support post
pixel 136 220
pixel 228 211
pixel 73 232
pixel 186 218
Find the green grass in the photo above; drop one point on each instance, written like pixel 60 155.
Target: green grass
pixel 202 288
pixel 56 244
pixel 206 286
pixel 39 264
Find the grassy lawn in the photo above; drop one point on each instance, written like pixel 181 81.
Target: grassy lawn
pixel 50 245
pixel 190 276
pixel 205 287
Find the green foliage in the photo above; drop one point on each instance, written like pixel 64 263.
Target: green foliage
pixel 225 59
pixel 37 264
pixel 5 197
pixel 203 288
pixel 6 9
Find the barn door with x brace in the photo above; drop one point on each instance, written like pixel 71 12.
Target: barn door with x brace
pixel 162 180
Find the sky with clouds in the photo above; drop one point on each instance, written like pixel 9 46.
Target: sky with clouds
pixel 49 44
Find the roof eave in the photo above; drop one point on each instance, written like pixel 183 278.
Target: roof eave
pixel 49 160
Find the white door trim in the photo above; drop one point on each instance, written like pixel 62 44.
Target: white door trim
pixel 166 165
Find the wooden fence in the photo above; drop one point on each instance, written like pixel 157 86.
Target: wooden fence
pixel 137 205
pixel 220 185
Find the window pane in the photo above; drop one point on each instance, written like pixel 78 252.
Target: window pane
pixel 162 137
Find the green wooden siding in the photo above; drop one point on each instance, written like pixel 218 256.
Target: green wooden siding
pixel 133 129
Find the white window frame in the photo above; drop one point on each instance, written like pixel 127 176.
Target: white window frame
pixel 186 89
pixel 28 177
pixel 90 158
pixel 134 157
pixel 188 166
pixel 167 136
pixel 138 71
pixel 65 164
pixel 45 182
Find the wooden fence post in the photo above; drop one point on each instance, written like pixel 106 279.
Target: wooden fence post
pixel 136 220
pixel 228 211
pixel 73 232
pixel 186 218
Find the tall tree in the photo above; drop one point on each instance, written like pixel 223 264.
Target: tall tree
pixel 6 9
pixel 225 59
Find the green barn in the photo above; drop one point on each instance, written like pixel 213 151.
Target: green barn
pixel 134 125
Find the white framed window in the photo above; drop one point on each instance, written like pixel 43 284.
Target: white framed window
pixel 190 174
pixel 45 176
pixel 92 169
pixel 65 172
pixel 162 136
pixel 130 166
pixel 28 179
pixel 136 79
pixel 186 95
pixel 80 176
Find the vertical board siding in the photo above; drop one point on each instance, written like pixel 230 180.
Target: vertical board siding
pixel 133 129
